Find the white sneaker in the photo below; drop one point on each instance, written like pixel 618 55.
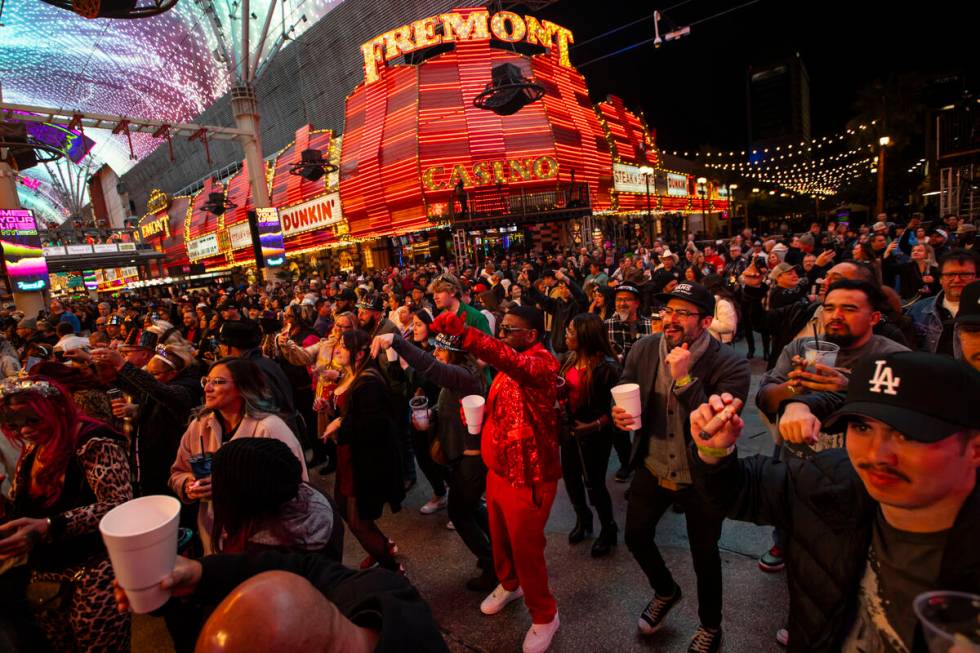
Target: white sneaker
pixel 498 599
pixel 539 637
pixel 435 504
pixel 450 525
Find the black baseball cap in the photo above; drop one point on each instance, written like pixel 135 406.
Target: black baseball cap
pixel 240 334
pixel 691 292
pixel 348 295
pixel 969 312
pixel 372 302
pixel 926 397
pixel 628 288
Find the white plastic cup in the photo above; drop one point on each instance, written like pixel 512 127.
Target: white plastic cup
pixel 473 406
pixel 141 537
pixel 948 618
pixel 391 354
pixel 627 397
pixel 820 351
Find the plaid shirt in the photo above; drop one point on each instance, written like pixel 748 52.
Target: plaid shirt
pixel 622 334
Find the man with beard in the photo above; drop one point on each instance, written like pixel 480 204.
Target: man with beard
pixel 806 394
pixel 370 315
pixel 677 370
pixel 849 315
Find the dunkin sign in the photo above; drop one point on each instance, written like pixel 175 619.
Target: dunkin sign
pixel 318 213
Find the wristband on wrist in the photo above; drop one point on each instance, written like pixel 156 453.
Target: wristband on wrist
pixel 684 381
pixel 716 452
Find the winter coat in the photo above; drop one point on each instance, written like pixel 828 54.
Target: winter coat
pixel 367 426
pixel 829 516
pixel 207 429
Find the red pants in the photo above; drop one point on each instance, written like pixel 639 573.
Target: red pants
pixel 517 519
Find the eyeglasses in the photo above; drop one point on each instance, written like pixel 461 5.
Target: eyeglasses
pixel 667 311
pixel 960 275
pixel 506 329
pixel 205 382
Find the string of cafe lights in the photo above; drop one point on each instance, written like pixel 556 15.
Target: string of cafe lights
pixel 788 151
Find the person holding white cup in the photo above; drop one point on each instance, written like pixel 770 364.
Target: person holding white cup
pixel 72 471
pixel 675 371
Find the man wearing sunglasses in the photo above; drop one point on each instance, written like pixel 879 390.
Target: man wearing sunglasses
pixel 677 370
pixel 519 444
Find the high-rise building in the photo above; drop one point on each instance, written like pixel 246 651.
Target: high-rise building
pixel 778 97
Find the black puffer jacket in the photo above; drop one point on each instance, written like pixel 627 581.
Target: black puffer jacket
pixel 823 506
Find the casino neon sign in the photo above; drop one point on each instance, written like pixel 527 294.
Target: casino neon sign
pixel 473 25
pixel 485 173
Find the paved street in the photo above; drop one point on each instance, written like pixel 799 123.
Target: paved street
pixel 598 600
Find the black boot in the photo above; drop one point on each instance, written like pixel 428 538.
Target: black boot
pixel 583 527
pixel 486 581
pixel 606 540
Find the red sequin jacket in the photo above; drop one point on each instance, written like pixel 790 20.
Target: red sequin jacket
pixel 520 423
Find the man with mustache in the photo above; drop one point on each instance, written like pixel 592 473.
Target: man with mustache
pixel 676 371
pixel 871 527
pixel 797 396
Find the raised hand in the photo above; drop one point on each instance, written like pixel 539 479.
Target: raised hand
pixel 717 419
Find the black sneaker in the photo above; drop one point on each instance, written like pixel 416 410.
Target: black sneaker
pixel 486 581
pixel 706 640
pixel 622 475
pixel 652 617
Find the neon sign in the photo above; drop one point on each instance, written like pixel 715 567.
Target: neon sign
pixel 486 173
pixel 473 25
pixel 23 256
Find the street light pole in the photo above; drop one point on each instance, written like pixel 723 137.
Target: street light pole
pixel 703 191
pixel 647 172
pixel 731 208
pixel 883 142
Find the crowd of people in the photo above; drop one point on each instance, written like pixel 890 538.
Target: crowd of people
pixel 243 401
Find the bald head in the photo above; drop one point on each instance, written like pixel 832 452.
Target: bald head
pixel 280 611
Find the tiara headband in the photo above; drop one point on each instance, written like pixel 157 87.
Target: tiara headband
pixel 13 386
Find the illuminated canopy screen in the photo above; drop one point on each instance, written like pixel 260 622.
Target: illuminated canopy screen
pixel 23 257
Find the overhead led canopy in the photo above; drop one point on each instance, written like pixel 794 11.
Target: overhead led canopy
pixel 169 67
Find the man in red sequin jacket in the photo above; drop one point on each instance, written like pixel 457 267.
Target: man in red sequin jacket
pixel 519 444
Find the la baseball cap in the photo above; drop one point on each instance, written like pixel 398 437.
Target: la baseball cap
pixel 694 293
pixel 925 397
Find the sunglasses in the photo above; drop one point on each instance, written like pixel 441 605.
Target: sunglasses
pixel 506 329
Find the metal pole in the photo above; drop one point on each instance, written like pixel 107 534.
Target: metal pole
pixel 881 181
pixel 649 214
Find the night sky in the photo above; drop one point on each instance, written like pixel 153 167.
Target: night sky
pixel 692 91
